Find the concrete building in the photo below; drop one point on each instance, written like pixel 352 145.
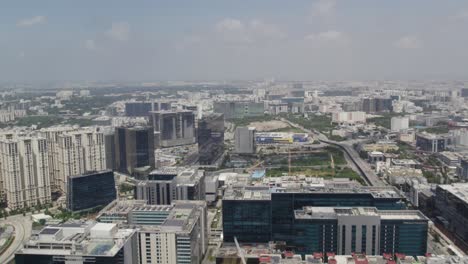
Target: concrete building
pixel 349 117
pixel 144 108
pixel 245 140
pixel 451 159
pixel 399 123
pixel 166 185
pixel 239 109
pixel 134 150
pixel 167 234
pixel 173 128
pixel 432 142
pixel 81 243
pixel 24 170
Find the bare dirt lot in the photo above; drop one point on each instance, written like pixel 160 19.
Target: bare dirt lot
pixel 269 125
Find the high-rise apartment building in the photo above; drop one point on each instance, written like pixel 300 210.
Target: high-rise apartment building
pixel 24 169
pixel 134 150
pixel 173 128
pixel 79 151
pixel 210 138
pixel 73 151
pixel 245 140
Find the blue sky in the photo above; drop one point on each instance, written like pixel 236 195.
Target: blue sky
pixel 232 40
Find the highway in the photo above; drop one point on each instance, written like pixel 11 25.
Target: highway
pixel 23 226
pixel 367 173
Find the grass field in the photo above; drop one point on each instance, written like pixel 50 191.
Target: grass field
pixel 326 173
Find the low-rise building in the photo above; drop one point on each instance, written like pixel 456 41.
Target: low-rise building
pixel 78 242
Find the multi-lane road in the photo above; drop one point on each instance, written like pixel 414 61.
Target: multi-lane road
pixel 23 226
pixel 367 173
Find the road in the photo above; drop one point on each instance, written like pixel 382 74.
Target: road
pixel 363 167
pixel 22 225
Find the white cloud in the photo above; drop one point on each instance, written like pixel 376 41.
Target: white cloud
pixel 408 42
pixel 323 7
pixel 237 31
pixel 90 44
pixel 119 31
pixel 267 30
pixel 331 35
pixel 229 24
pixel 27 22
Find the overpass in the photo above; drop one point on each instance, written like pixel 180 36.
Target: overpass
pixel 363 167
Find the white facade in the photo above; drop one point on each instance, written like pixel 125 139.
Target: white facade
pixel 349 117
pixel 73 151
pixel 399 123
pixel 79 152
pixel 24 167
pixel 158 248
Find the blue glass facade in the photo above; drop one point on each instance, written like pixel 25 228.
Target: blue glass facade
pixel 273 220
pixel 90 191
pixel 250 222
pixel 403 236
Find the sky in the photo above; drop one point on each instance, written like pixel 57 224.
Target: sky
pixel 150 40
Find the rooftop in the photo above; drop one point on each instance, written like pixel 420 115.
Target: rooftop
pixel 336 212
pixel 460 190
pixel 80 238
pixel 297 184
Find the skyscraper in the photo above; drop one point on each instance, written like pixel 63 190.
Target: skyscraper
pixel 173 128
pixel 134 150
pixel 210 138
pixel 24 167
pixel 73 151
pixel 80 151
pixel 245 140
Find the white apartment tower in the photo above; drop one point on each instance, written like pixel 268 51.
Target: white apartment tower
pixel 79 152
pixel 24 167
pixel 73 151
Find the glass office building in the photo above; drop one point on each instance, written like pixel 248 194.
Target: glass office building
pixel 348 230
pixel 210 138
pixel 91 190
pixel 263 214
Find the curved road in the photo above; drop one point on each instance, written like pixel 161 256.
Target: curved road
pixel 22 225
pixel 363 167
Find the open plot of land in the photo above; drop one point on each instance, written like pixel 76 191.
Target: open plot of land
pixel 269 125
